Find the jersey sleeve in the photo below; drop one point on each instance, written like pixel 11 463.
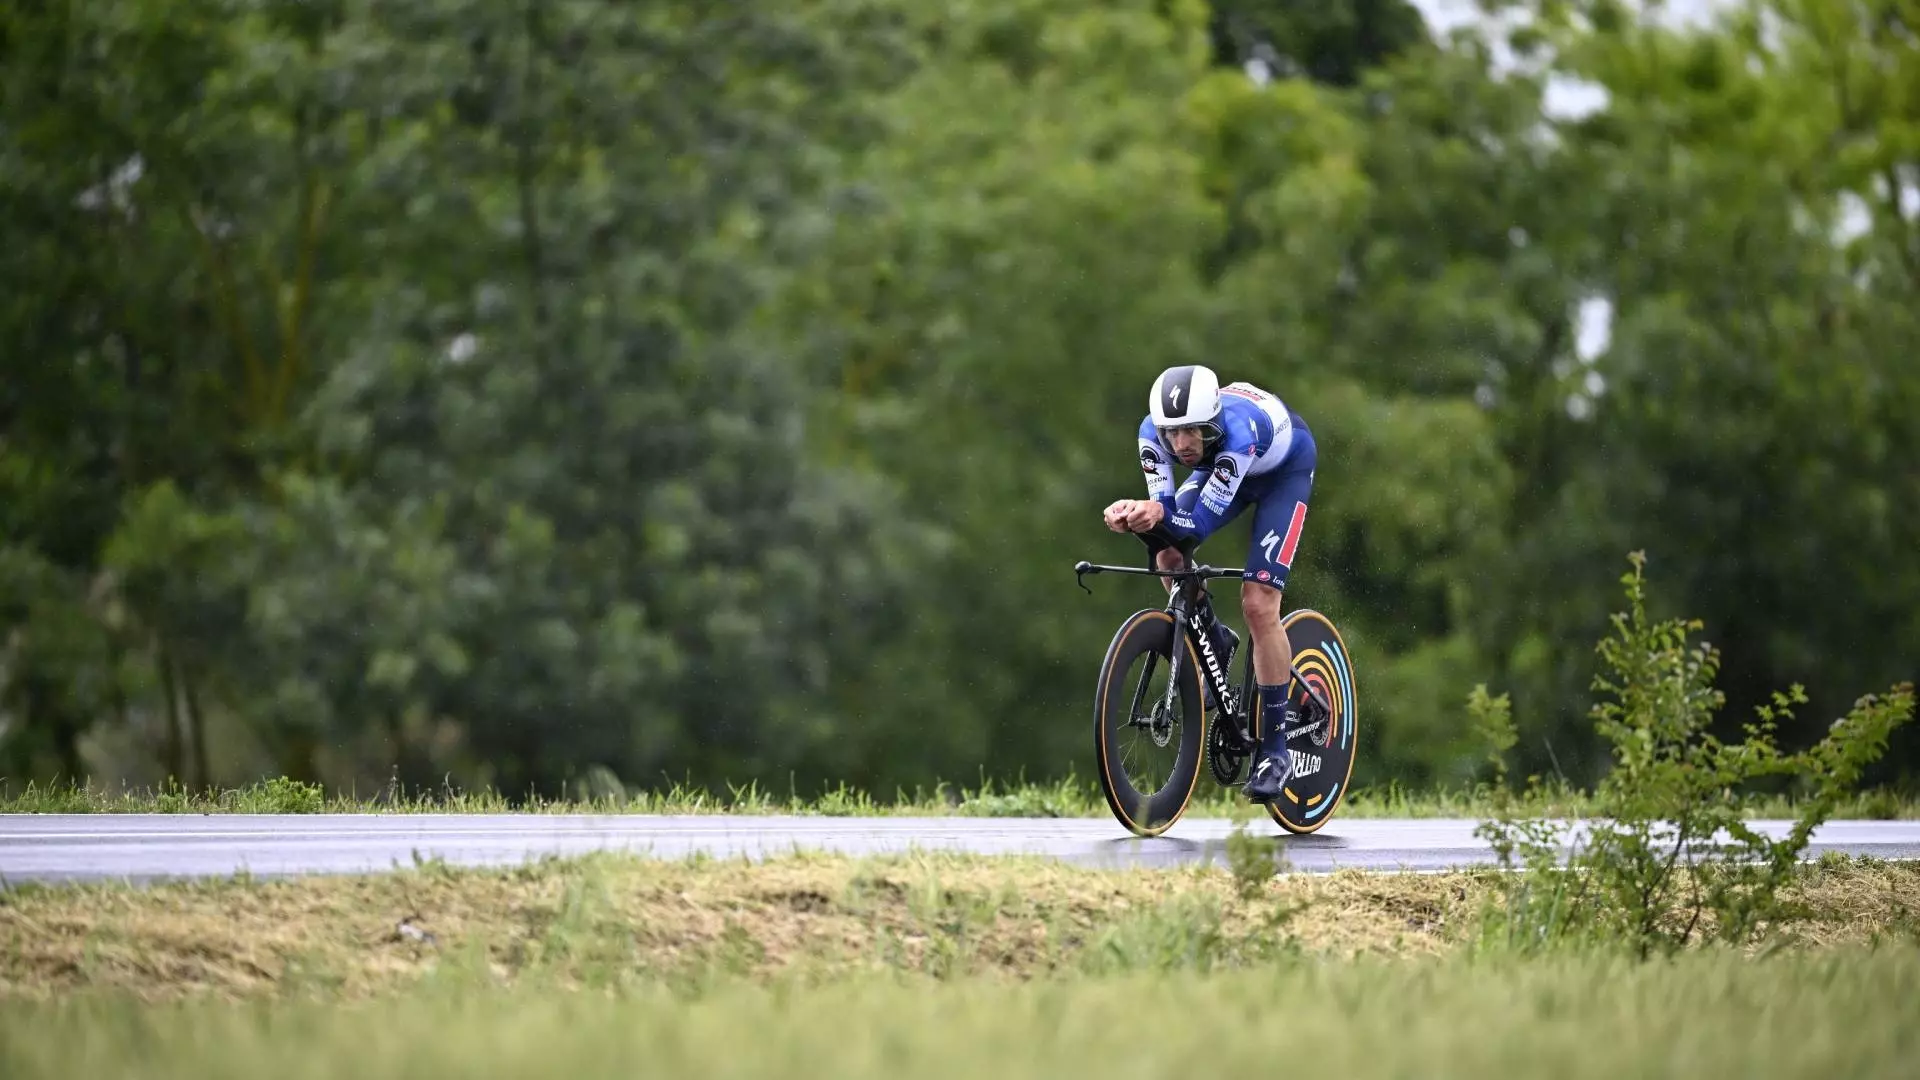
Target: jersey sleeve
pixel 1202 504
pixel 1155 465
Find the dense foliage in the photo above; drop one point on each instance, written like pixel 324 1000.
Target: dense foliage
pixel 518 393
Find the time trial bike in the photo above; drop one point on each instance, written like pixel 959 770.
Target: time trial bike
pixel 1141 720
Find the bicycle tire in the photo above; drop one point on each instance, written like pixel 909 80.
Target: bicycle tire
pixel 1141 813
pixel 1310 799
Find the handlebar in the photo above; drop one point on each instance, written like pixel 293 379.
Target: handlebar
pixel 1160 537
pixel 1197 571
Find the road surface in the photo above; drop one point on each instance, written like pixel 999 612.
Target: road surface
pixel 147 847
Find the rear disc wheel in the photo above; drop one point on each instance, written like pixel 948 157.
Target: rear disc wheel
pixel 1322 759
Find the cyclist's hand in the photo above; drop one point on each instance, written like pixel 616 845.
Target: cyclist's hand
pixel 1115 515
pixel 1144 514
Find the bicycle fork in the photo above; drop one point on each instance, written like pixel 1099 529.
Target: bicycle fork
pixel 1178 629
pixel 1177 610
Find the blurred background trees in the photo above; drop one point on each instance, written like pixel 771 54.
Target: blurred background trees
pixel 507 392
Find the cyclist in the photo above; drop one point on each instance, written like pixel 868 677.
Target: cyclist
pixel 1245 447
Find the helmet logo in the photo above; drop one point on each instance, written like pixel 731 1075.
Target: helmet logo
pixel 1176 383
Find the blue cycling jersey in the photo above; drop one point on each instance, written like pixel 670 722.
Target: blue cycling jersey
pixel 1256 437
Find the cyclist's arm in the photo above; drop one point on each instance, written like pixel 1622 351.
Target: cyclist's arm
pixel 1157 466
pixel 1201 506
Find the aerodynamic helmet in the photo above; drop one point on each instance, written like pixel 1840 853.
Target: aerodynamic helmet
pixel 1186 396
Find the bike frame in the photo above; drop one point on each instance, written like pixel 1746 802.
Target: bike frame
pixel 1179 607
pixel 1180 603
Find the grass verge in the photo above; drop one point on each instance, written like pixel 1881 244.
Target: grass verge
pixel 1066 798
pixel 1825 1014
pixel 619 922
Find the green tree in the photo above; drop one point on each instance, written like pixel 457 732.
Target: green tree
pixel 1331 42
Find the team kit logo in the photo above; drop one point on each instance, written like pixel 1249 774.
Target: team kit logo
pixel 1149 461
pixel 1219 492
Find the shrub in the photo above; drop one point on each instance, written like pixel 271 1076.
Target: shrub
pixel 1667 858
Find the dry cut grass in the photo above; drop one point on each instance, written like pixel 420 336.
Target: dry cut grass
pixel 612 920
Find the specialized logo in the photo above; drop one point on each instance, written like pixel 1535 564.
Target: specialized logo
pixel 1280 549
pixel 1179 381
pixel 1304 764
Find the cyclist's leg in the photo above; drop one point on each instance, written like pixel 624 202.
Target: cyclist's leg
pixel 1278 521
pixel 1279 518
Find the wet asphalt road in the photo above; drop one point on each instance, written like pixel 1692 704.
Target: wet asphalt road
pixel 146 847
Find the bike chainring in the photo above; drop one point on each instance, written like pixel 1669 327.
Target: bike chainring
pixel 1226 752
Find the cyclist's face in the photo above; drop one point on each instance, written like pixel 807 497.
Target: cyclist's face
pixel 1188 443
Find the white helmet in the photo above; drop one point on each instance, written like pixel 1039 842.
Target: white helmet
pixel 1184 396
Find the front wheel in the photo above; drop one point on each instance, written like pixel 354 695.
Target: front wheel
pixel 1322 759
pixel 1149 750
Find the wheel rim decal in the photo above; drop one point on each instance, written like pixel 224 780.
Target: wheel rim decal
pixel 1342 706
pixel 1321 670
pixel 1345 674
pixel 1322 808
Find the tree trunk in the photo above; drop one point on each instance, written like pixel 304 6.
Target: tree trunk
pixel 172 753
pixel 62 732
pixel 299 756
pixel 197 725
